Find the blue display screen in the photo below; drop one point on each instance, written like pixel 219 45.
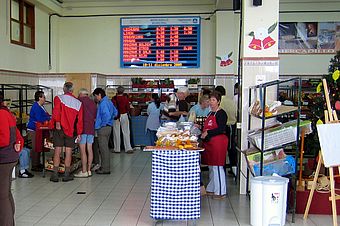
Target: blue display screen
pixel 159 42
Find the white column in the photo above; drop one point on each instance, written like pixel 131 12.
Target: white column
pixel 259 59
pixel 226 43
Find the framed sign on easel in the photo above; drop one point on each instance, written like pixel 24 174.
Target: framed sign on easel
pixel 329 154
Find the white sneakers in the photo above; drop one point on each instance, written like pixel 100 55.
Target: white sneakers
pixel 80 174
pixel 95 167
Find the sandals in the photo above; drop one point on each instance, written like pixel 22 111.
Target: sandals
pixel 25 174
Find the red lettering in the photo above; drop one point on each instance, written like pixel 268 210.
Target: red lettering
pixel 160 55
pixel 131 29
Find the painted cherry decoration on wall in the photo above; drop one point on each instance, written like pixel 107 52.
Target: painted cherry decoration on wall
pixel 261 38
pixel 225 60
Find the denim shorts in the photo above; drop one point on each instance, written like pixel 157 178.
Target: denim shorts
pixel 86 139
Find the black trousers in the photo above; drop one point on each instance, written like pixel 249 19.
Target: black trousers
pixel 232 153
pixel 7 207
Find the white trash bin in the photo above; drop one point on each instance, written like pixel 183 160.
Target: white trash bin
pixel 268 201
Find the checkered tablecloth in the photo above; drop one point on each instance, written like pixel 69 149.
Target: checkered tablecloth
pixel 175 185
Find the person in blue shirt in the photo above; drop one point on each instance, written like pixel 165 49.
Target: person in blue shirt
pixel 38 113
pixel 153 122
pixel 201 109
pixel 106 112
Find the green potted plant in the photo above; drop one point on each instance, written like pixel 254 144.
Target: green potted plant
pixel 192 83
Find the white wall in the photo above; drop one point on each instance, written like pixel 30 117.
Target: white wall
pixel 93 45
pixel 310 64
pixel 19 58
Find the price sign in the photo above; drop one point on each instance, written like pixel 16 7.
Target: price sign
pixel 159 42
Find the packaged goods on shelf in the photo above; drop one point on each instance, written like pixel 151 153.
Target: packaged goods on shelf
pixel 279 135
pixel 269 156
pixel 48 144
pixel 23 117
pixel 281 167
pixel 8 103
pixel 274 137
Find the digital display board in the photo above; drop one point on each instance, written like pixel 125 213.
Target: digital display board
pixel 159 42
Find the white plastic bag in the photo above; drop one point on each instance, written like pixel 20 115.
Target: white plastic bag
pixel 181 119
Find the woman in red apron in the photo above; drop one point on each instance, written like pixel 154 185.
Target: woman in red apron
pixel 215 142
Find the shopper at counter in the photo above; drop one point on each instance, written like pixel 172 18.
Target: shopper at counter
pixel 67 115
pixel 38 113
pixel 87 138
pixel 201 109
pixel 153 121
pixel 182 106
pixel 106 111
pixel 215 142
pixel 24 162
pixel 122 104
pixel 11 143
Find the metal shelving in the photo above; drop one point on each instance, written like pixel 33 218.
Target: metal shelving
pixel 262 90
pixel 22 98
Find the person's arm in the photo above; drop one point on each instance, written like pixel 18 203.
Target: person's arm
pixel 113 99
pixel 80 122
pixel 32 117
pixel 183 109
pixel 178 113
pixel 45 115
pixel 93 111
pixel 150 107
pixel 39 114
pixel 115 111
pixel 221 120
pixel 127 105
pixel 98 118
pixel 106 113
pixel 56 112
pixel 193 109
pixel 4 131
pixel 19 142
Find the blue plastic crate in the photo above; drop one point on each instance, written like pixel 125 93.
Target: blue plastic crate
pixel 281 167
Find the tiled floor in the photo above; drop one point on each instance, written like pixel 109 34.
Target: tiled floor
pixel 121 199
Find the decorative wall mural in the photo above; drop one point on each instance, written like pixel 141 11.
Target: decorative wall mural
pixel 225 60
pixel 309 37
pixel 261 38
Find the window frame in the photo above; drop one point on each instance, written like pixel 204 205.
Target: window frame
pixel 30 23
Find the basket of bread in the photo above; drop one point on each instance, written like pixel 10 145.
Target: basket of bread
pixel 172 136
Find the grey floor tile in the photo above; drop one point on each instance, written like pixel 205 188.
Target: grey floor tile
pixel 123 199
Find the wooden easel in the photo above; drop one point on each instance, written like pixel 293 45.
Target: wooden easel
pixel 330 117
pixel 300 186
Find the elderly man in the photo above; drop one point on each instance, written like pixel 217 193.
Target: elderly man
pixel 104 121
pixel 182 106
pixel 66 115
